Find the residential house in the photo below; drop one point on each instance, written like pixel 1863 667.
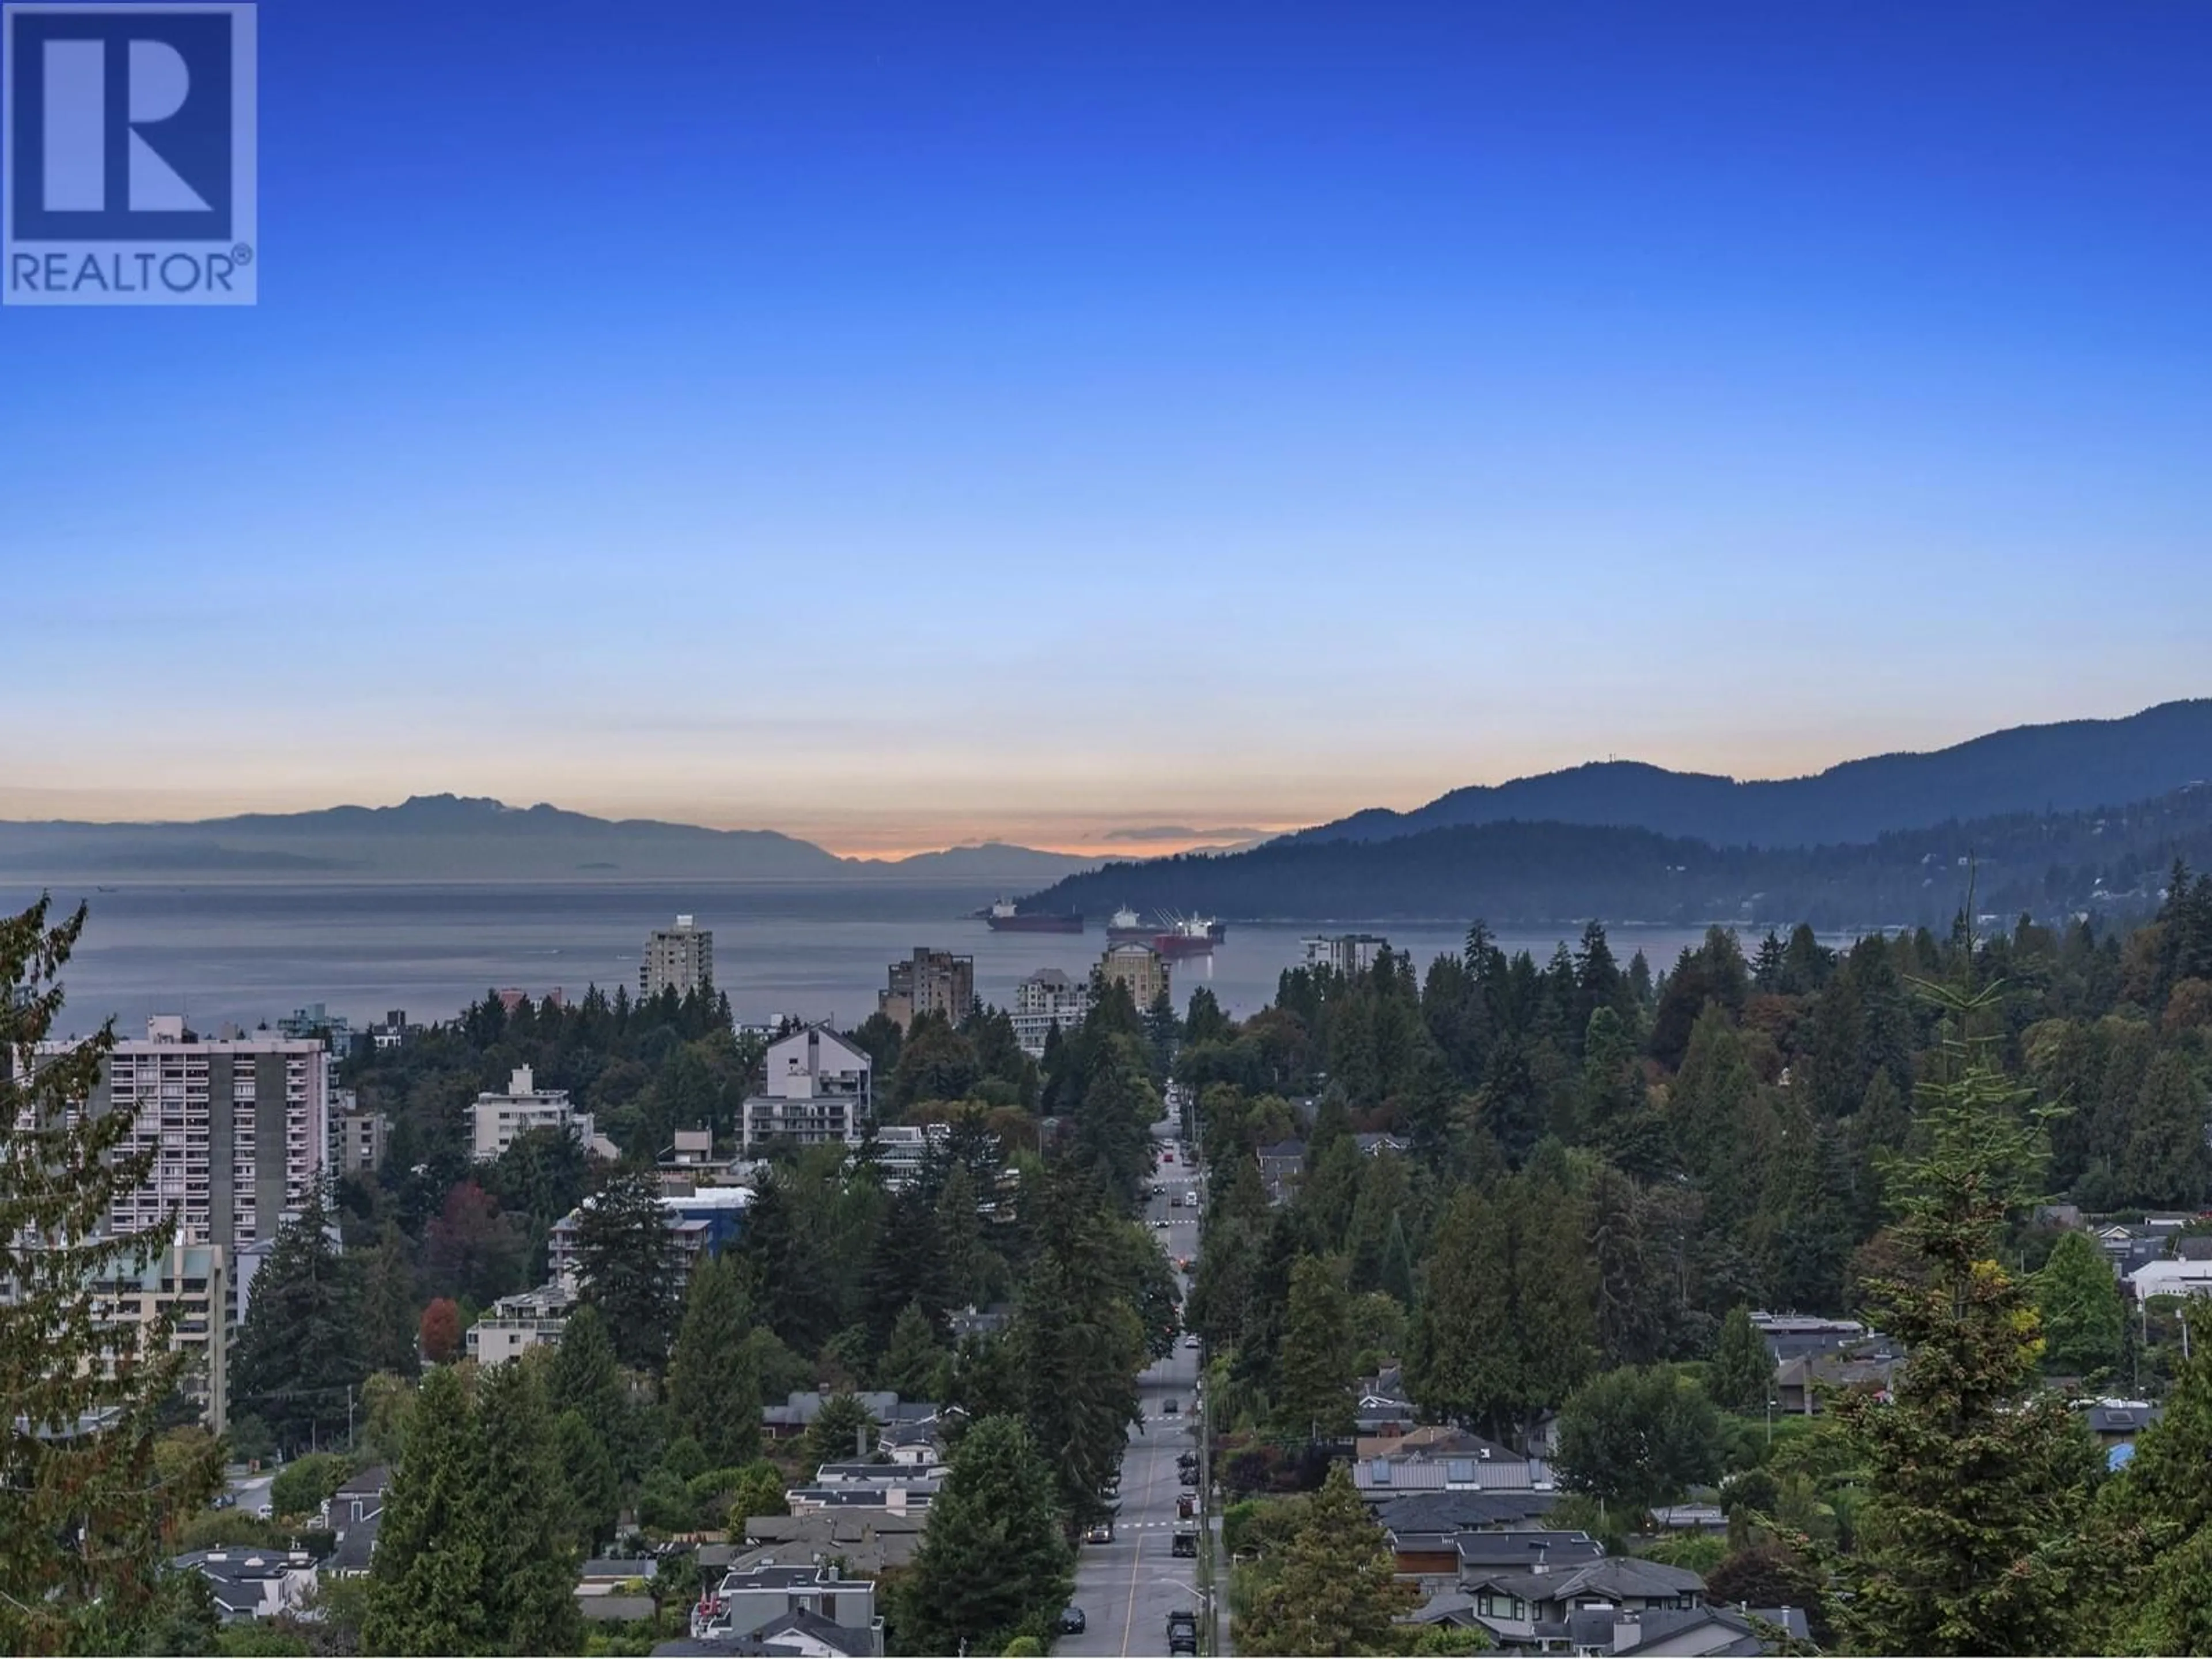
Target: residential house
pixel 1374 1145
pixel 868 1542
pixel 1800 1383
pixel 2118 1422
pixel 1454 1512
pixel 1612 1633
pixel 352 1515
pixel 1281 1166
pixel 2170 1276
pixel 1378 1477
pixel 616 1590
pixel 1437 1440
pixel 691 1161
pixel 1798 1336
pixel 796 1415
pixel 249 1583
pixel 747 1604
pixel 1529 1609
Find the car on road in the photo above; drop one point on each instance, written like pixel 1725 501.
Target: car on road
pixel 1103 1533
pixel 1160 1221
pixel 1188 1477
pixel 1183 1631
pixel 1169 1408
pixel 1071 1622
pixel 1190 1342
pixel 1186 1506
pixel 1185 1541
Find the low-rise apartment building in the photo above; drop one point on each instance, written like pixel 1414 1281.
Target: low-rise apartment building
pixel 818 1088
pixel 499 1118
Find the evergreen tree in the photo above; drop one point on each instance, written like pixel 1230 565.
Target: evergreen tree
pixel 585 1377
pixel 389 1329
pixel 81 1545
pixel 587 1472
pixel 1313 1377
pixel 2085 1323
pixel 627 1260
pixel 519 1513
pixel 1743 1371
pixel 994 1563
pixel 911 1363
pixel 834 1436
pixel 1976 1483
pixel 298 1353
pixel 1335 1588
pixel 1464 1364
pixel 2155 1521
pixel 426 1580
pixel 714 1386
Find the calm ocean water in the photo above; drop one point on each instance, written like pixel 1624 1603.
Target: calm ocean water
pixel 249 951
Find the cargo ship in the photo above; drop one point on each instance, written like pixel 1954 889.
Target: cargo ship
pixel 1004 918
pixel 1173 936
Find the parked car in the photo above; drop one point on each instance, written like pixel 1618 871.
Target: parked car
pixel 1190 1341
pixel 1182 1632
pixel 1071 1622
pixel 1185 1541
pixel 1188 1477
pixel 1186 1506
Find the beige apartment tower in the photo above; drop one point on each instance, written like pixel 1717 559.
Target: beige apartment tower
pixel 679 959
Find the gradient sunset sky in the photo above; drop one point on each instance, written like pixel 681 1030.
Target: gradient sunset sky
pixel 899 423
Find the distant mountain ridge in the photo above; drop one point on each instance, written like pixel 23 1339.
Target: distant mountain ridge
pixel 2107 861
pixel 455 837
pixel 2069 767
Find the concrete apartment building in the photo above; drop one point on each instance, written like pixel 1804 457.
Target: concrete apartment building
pixel 818 1089
pixel 1138 966
pixel 500 1117
pixel 515 1324
pixel 933 982
pixel 1345 953
pixel 1045 999
pixel 190 1283
pixel 679 959
pixel 238 1128
pixel 356 1137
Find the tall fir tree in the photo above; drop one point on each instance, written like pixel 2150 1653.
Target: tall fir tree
pixel 627 1260
pixel 1742 1370
pixel 1977 1480
pixel 82 1515
pixel 1334 1587
pixel 1313 1377
pixel 996 1562
pixel 426 1580
pixel 713 1383
pixel 519 1513
pixel 299 1359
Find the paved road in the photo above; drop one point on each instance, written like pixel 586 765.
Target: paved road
pixel 1126 1589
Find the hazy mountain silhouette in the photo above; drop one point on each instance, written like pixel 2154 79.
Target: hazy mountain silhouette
pixel 452 837
pixel 2065 767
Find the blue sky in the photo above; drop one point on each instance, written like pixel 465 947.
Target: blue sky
pixel 900 424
